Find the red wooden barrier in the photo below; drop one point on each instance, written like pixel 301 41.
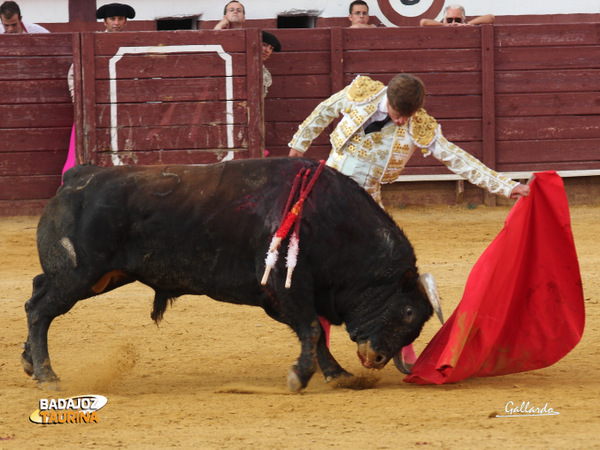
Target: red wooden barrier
pixel 519 97
pixel 170 97
pixel 36 116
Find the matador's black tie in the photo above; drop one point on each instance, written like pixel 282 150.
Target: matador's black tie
pixel 377 125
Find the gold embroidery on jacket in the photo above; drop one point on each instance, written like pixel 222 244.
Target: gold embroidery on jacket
pixel 357 117
pixel 363 89
pixel 422 128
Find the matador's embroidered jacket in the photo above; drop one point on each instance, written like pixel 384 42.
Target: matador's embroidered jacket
pixel 379 157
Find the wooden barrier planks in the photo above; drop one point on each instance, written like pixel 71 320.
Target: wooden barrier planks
pixel 519 97
pixel 36 116
pixel 547 81
pixel 183 92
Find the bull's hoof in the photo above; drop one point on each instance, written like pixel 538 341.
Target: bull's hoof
pixel 293 382
pixel 338 376
pixel 52 385
pixel 26 360
pixel 27 365
pixel 47 379
pixel 293 379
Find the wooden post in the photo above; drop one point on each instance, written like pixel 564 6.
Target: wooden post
pixel 337 59
pixel 77 99
pixel 87 127
pixel 254 93
pixel 488 115
pixel 82 10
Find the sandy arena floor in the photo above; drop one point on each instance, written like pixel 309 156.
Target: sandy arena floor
pixel 214 375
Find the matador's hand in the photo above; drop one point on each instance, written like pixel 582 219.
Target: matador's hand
pixel 520 190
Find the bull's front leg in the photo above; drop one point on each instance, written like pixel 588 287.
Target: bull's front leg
pixel 329 366
pixel 305 366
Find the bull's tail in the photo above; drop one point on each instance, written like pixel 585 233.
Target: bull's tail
pixel 161 299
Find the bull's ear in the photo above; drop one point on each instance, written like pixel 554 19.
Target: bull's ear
pixel 408 280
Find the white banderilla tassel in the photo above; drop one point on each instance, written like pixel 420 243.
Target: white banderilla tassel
pixel 292 259
pixel 270 261
pixel 275 243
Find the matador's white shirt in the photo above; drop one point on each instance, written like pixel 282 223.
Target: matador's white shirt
pixel 380 156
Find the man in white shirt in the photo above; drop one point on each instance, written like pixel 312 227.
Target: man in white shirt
pixel 12 22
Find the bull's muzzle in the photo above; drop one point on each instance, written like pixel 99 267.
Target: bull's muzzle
pixel 369 357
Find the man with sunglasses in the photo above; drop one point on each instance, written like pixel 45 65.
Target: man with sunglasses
pixel 454 16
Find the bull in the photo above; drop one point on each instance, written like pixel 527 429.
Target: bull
pixel 205 230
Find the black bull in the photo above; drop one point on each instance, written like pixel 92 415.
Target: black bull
pixel 206 230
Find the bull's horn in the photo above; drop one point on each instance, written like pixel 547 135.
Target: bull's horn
pixel 402 365
pixel 426 280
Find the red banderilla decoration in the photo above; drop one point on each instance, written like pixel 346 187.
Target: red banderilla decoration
pixel 290 217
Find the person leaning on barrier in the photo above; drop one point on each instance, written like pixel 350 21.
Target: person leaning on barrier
pixel 454 15
pixel 234 16
pixel 12 22
pixel 115 17
pixel 270 44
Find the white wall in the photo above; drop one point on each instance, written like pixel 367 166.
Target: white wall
pixel 44 10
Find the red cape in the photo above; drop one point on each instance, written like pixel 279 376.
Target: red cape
pixel 523 306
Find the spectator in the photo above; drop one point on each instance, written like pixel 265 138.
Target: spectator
pixel 270 44
pixel 12 22
pixel 115 16
pixel 234 16
pixel 454 15
pixel 359 14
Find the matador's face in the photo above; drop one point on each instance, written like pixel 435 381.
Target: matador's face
pixel 396 117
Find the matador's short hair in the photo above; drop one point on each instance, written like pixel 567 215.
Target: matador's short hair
pixel 406 94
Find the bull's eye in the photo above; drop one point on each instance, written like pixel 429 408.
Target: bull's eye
pixel 408 312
